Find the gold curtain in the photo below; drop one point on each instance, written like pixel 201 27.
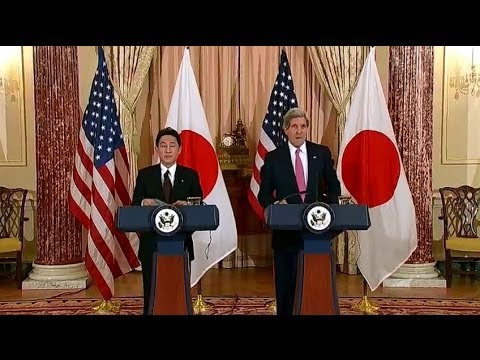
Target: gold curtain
pixel 339 67
pixel 235 82
pixel 128 66
pixel 259 67
pixel 215 69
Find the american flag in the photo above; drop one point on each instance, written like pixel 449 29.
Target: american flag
pixel 99 185
pixel 272 136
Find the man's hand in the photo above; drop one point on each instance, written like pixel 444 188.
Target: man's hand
pixel 149 202
pixel 281 202
pixel 180 203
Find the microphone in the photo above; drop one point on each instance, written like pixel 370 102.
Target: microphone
pixel 325 196
pixel 291 195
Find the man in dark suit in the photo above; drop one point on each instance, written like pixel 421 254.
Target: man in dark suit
pixel 298 166
pixel 170 183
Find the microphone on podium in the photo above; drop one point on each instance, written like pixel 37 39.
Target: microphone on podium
pixel 265 211
pixel 291 195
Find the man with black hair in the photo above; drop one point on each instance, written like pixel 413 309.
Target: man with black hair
pixel 168 182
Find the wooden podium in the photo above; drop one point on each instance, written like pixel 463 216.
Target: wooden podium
pixel 170 293
pixel 316 292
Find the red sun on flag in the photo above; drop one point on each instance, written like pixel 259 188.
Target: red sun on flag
pixel 198 154
pixel 371 177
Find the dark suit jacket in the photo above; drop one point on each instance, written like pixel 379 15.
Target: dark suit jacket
pixel 278 181
pixel 149 186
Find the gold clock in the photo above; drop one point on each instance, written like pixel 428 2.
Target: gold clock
pixel 227 140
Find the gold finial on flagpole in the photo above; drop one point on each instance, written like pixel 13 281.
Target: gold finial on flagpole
pixel 365 305
pixel 200 306
pixel 106 307
pixel 272 306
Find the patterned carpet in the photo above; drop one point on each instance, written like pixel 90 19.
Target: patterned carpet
pixel 242 306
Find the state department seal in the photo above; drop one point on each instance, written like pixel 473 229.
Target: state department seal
pixel 167 219
pixel 318 217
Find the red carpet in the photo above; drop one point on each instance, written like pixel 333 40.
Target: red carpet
pixel 242 306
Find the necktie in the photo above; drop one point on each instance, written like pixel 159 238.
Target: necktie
pixel 299 174
pixel 167 186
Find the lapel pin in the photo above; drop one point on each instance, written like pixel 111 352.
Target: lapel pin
pixel 314 156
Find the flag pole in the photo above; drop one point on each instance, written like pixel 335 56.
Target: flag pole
pixel 200 306
pixel 365 305
pixel 272 305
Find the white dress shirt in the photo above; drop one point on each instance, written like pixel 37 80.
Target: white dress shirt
pixel 171 169
pixel 303 158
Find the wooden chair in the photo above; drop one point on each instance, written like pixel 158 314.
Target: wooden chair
pixel 12 211
pixel 460 236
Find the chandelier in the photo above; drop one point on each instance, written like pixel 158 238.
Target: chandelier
pixel 9 88
pixel 10 58
pixel 468 83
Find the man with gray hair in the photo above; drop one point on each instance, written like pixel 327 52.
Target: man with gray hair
pixel 298 166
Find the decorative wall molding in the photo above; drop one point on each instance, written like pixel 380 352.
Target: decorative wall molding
pixel 460 115
pixel 13 145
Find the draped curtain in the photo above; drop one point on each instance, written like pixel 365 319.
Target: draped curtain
pixel 339 67
pixel 129 67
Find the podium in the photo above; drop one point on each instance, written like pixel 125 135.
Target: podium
pixel 171 291
pixel 319 223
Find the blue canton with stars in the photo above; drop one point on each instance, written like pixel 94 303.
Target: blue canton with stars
pixel 100 120
pixel 282 99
